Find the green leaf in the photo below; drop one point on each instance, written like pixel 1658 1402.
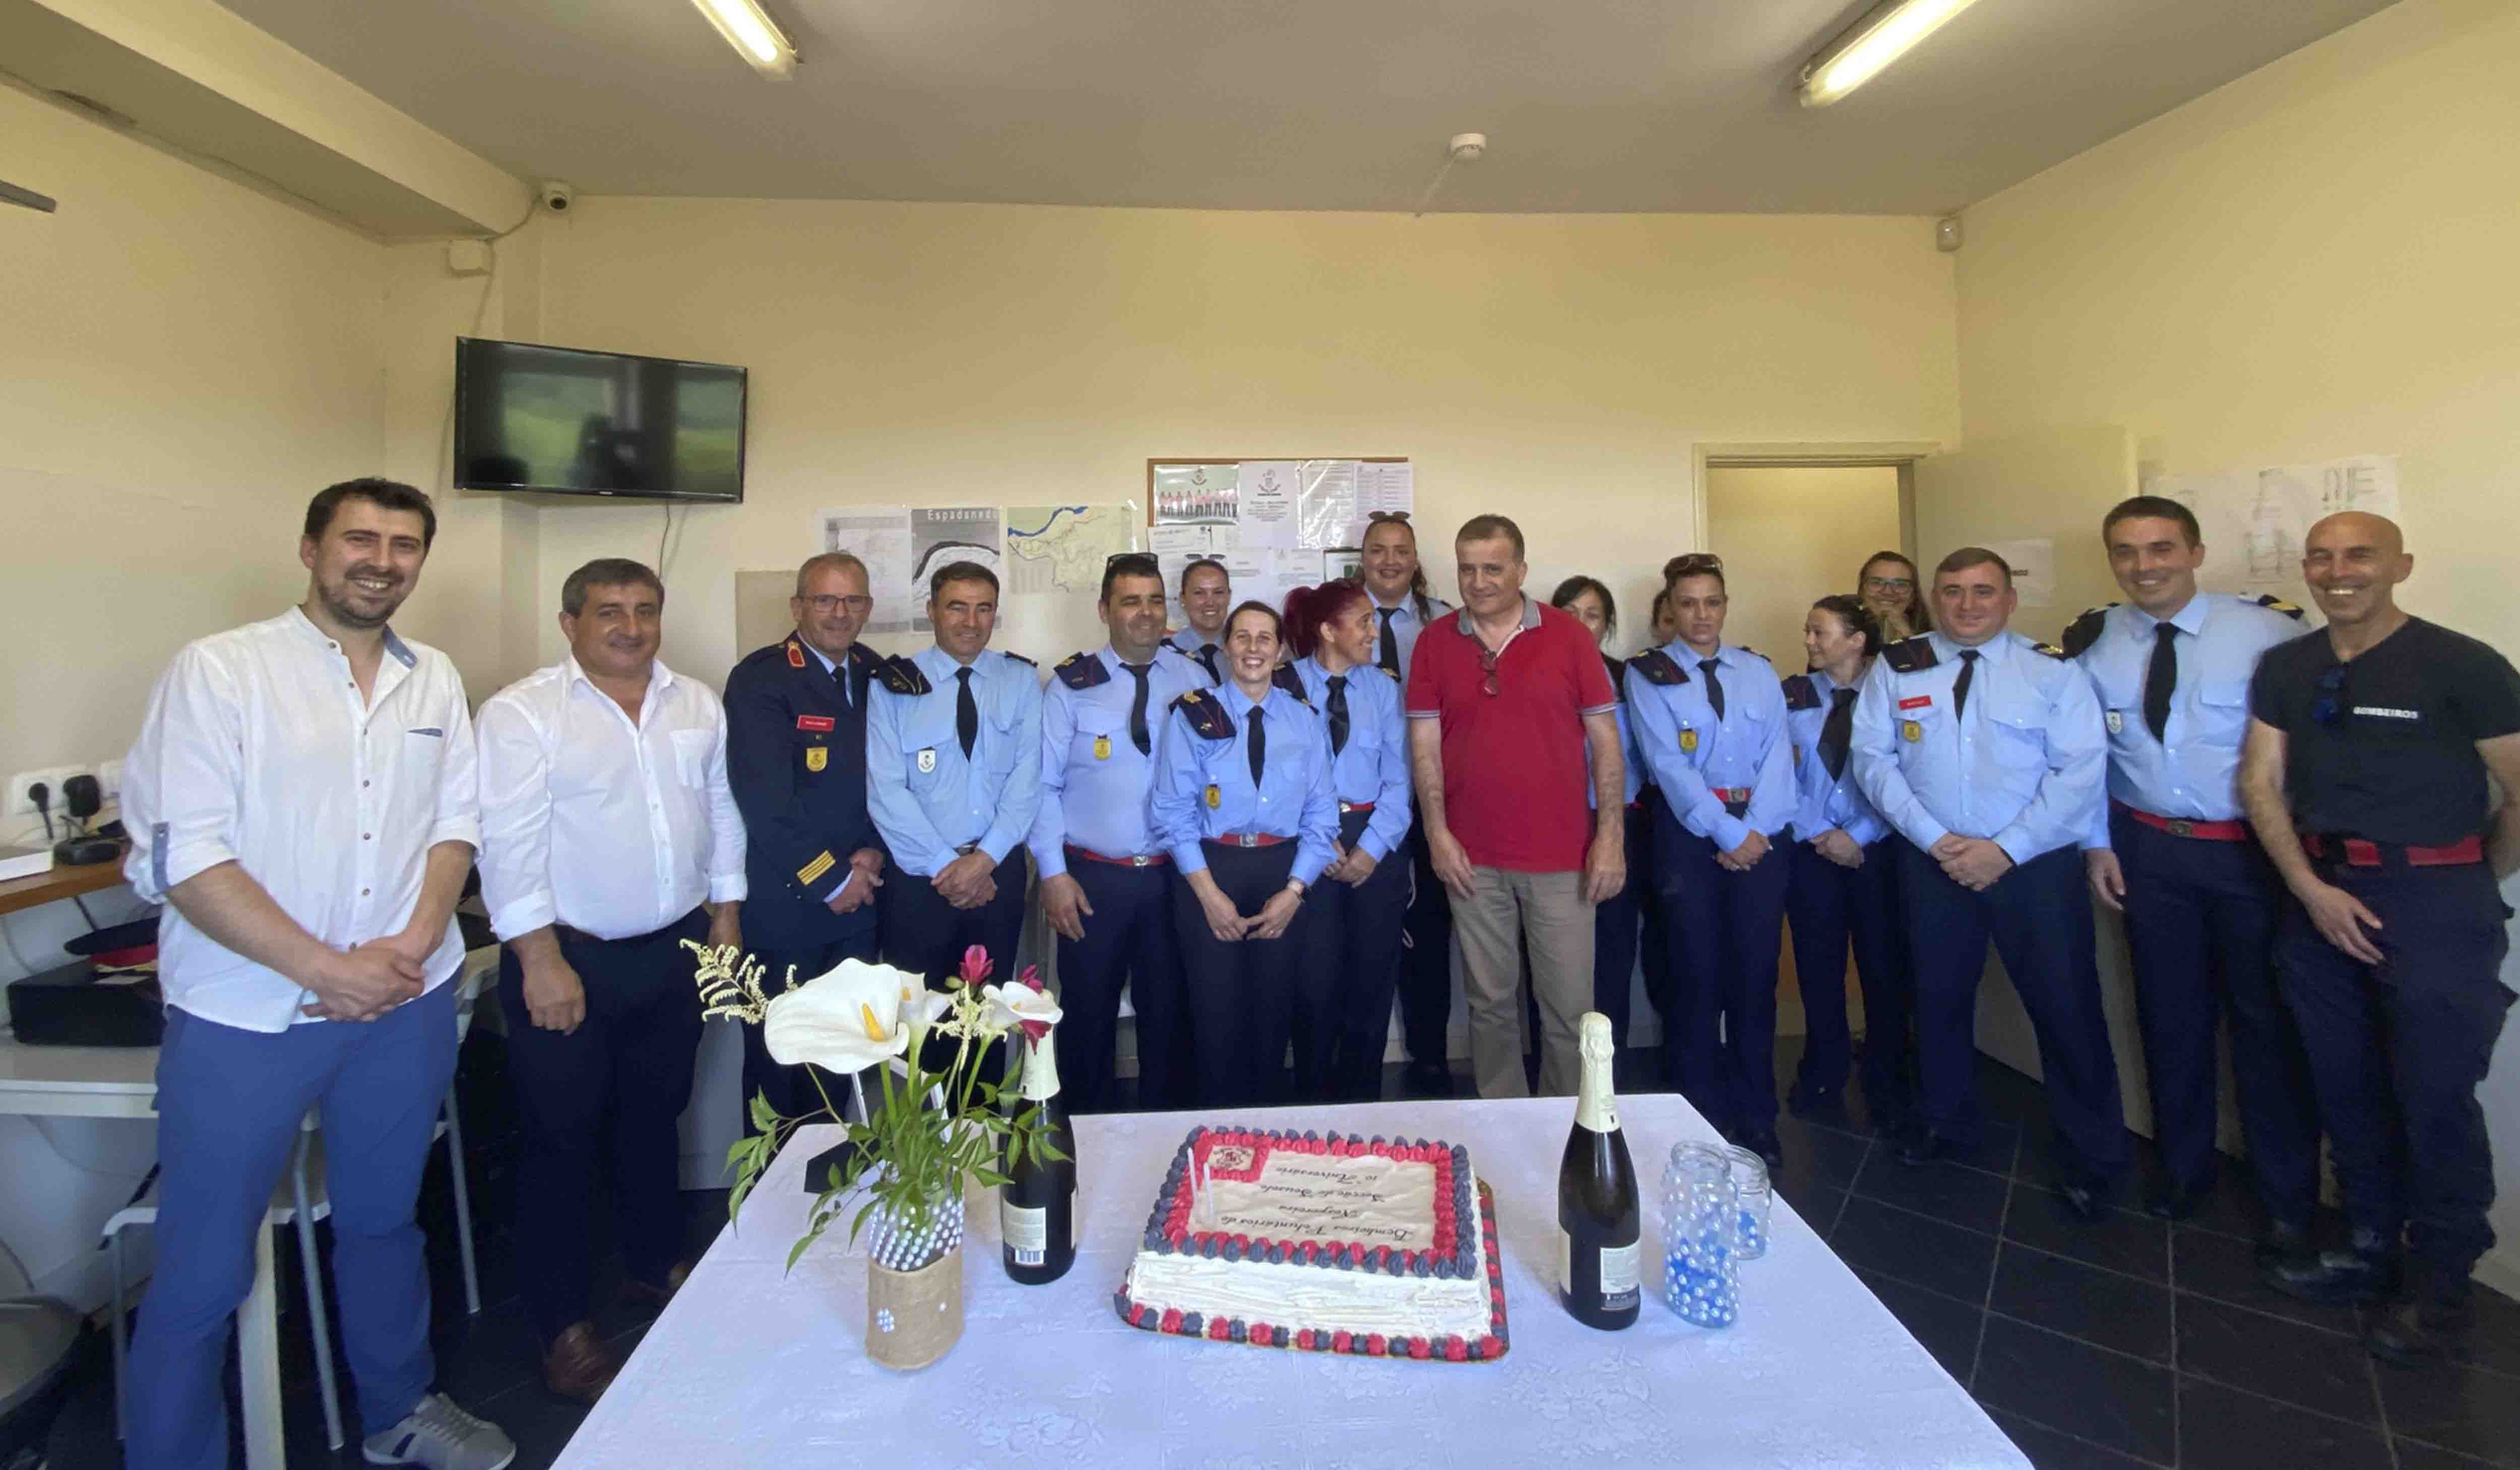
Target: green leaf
pixel 991 1178
pixel 1051 1152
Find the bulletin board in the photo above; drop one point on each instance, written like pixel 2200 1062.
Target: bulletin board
pixel 1277 524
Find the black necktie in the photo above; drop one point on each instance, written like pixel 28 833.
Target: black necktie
pixel 1338 713
pixel 966 713
pixel 840 677
pixel 1960 690
pixel 1837 732
pixel 1207 661
pixel 1388 654
pixel 2159 679
pixel 1714 688
pixel 1258 747
pixel 1137 736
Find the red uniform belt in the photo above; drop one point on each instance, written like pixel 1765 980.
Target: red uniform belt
pixel 2357 853
pixel 1149 859
pixel 1730 794
pixel 1346 807
pixel 1248 839
pixel 2189 826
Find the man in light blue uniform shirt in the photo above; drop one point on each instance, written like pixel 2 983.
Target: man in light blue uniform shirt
pixel 1986 751
pixel 953 782
pixel 2172 672
pixel 1710 722
pixel 1104 885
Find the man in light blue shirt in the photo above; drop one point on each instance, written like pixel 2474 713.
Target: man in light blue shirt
pixel 2171 669
pixel 1985 750
pixel 953 782
pixel 1104 887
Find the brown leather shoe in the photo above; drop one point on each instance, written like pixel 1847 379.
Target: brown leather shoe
pixel 578 1365
pixel 648 1296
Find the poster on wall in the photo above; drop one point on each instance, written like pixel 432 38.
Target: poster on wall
pixel 941 535
pixel 1266 491
pixel 878 536
pixel 1178 546
pixel 2034 569
pixel 2255 519
pixel 1197 493
pixel 1061 549
pixel 1326 502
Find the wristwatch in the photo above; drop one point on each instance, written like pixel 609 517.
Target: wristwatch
pixel 1295 886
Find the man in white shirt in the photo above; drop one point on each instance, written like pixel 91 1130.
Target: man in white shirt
pixel 606 823
pixel 301 797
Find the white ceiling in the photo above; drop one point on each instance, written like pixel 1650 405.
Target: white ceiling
pixel 1590 105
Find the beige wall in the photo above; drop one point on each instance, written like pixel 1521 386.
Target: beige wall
pixel 2315 260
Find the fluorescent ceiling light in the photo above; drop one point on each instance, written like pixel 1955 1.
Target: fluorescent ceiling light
pixel 754 35
pixel 1871 43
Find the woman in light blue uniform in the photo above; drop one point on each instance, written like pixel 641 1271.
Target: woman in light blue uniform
pixel 1243 798
pixel 1843 879
pixel 1615 919
pixel 1352 920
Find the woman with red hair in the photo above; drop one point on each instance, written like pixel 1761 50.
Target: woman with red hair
pixel 1352 946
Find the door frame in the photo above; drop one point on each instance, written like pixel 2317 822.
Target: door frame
pixel 1899 455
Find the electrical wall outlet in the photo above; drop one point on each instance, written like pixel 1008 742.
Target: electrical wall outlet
pixel 21 801
pixel 108 777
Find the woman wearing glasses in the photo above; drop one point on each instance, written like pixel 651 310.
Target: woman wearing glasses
pixel 1351 933
pixel 1841 879
pixel 1890 587
pixel 1615 919
pixel 1710 720
pixel 1243 797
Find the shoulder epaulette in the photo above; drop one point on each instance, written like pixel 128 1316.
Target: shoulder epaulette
pixel 1392 674
pixel 1801 693
pixel 1207 718
pixel 2269 599
pixel 1910 654
pixel 2084 630
pixel 1658 667
pixel 795 652
pixel 1019 658
pixel 1082 671
pixel 1292 682
pixel 1753 653
pixel 2052 650
pixel 901 676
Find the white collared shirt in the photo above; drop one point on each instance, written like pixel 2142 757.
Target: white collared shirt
pixel 258 749
pixel 589 821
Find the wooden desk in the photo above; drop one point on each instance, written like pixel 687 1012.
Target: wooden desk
pixel 61 883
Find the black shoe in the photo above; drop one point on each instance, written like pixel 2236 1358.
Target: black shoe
pixel 2420 1324
pixel 1931 1147
pixel 2179 1201
pixel 1427 1078
pixel 2366 1270
pixel 2084 1200
pixel 1765 1145
pixel 2284 1242
pixel 1806 1099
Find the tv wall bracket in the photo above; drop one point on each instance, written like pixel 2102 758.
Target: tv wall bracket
pixel 12 193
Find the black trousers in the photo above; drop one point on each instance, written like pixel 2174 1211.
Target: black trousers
pixel 1129 940
pixel 1426 960
pixel 2201 919
pixel 1351 964
pixel 1627 929
pixel 616 1086
pixel 925 935
pixel 1242 995
pixel 1826 907
pixel 1727 932
pixel 2397 1051
pixel 791 1090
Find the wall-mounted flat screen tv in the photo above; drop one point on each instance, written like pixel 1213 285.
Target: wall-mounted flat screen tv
pixel 562 421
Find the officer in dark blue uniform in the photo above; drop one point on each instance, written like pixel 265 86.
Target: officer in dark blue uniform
pixel 795 757
pixel 2366 778
pixel 1986 751
pixel 2172 668
pixel 1105 882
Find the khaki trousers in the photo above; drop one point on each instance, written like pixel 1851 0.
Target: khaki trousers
pixel 1504 912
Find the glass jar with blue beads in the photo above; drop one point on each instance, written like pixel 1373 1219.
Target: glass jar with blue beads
pixel 1701 1236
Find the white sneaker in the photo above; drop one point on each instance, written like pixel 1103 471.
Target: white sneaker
pixel 438 1435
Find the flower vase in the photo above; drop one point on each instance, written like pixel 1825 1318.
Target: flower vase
pixel 914 1287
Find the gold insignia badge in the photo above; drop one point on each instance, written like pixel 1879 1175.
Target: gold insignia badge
pixel 1102 748
pixel 1688 740
pixel 1215 798
pixel 817 757
pixel 1910 732
pixel 823 863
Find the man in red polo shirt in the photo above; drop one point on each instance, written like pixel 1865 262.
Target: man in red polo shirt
pixel 1512 713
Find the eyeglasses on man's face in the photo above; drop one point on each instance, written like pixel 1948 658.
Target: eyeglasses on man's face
pixel 824 603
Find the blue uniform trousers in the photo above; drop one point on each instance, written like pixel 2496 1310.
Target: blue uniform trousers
pixel 1726 931
pixel 926 935
pixel 1826 907
pixel 2038 915
pixel 229 1102
pixel 1426 979
pixel 1129 940
pixel 2397 1051
pixel 1242 995
pixel 2201 920
pixel 1628 928
pixel 790 1090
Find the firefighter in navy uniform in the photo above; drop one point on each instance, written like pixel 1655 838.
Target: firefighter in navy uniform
pixel 795 714
pixel 2369 744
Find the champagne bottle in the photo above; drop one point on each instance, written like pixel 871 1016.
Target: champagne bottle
pixel 1598 1254
pixel 1037 1204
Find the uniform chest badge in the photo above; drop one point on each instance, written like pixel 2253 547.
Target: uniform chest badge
pixel 817 757
pixel 927 760
pixel 2116 719
pixel 1688 740
pixel 1102 748
pixel 1215 798
pixel 1910 732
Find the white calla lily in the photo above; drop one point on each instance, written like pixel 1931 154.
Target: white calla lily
pixel 848 1019
pixel 1013 1005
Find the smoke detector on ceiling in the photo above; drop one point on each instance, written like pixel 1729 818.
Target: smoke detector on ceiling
pixel 1467 148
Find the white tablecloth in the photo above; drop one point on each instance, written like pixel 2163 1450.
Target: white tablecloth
pixel 753 1367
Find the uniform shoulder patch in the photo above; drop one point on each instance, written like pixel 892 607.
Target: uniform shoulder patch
pixel 795 655
pixel 2084 630
pixel 1082 671
pixel 1207 718
pixel 1019 658
pixel 1801 693
pixel 1658 667
pixel 900 676
pixel 2052 650
pixel 1910 654
pixel 2269 599
pixel 1292 682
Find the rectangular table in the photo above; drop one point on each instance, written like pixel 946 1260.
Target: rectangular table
pixel 751 1367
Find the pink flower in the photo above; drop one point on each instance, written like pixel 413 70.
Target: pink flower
pixel 1031 976
pixel 975 965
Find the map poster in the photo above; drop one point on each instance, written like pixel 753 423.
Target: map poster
pixel 880 537
pixel 943 534
pixel 1061 549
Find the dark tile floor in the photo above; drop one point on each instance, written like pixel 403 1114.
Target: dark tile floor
pixel 2095 1347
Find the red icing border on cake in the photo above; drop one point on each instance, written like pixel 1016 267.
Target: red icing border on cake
pixel 1178 1233
pixel 1448 1349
